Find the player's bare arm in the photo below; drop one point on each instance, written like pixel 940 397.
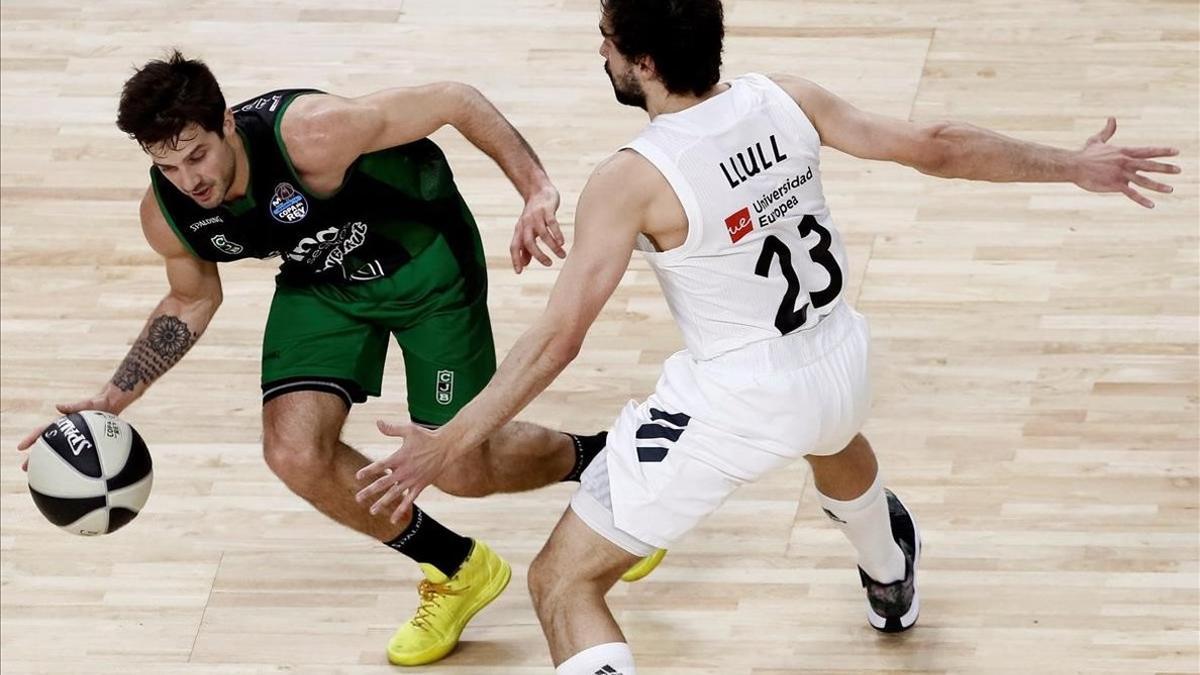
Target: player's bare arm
pixel 326 134
pixel 173 327
pixel 610 214
pixel 960 150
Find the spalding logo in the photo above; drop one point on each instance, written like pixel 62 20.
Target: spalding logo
pixel 74 436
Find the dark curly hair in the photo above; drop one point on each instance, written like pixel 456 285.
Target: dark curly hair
pixel 683 38
pixel 164 97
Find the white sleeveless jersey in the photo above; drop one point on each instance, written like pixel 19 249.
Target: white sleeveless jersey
pixel 762 257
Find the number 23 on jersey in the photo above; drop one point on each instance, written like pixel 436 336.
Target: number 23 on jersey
pixel 788 318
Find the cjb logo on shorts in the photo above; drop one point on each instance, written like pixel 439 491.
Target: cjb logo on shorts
pixel 444 392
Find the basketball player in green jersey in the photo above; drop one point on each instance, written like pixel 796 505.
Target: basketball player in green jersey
pixel 375 242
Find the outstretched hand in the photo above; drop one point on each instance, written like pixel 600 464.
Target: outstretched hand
pixel 398 479
pixel 1112 168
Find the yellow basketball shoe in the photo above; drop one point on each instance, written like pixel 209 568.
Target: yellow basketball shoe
pixel 642 568
pixel 447 605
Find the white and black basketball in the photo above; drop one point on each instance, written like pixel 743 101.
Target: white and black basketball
pixel 90 473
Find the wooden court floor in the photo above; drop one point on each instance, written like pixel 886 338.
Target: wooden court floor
pixel 1035 351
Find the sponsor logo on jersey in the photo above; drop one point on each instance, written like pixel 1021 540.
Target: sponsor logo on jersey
pixel 206 222
pixel 74 436
pixel 739 224
pixel 288 205
pixel 445 386
pixel 779 202
pixel 333 244
pixel 352 240
pixel 308 249
pixel 226 246
pixel 263 102
pixel 746 164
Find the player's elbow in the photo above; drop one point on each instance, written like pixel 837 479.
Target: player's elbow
pixel 456 99
pixel 935 149
pixel 215 298
pixel 562 348
pixel 202 301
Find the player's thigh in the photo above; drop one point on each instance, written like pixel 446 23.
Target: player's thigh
pixel 304 418
pixel 313 341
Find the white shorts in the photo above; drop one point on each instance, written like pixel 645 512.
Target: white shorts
pixel 711 426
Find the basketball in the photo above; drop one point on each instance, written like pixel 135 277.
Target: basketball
pixel 90 473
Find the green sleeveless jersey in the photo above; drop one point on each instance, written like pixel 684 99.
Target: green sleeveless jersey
pixel 391 205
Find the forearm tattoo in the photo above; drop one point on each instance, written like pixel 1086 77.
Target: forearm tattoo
pixel 166 341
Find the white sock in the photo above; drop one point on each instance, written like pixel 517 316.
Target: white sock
pixel 866 523
pixel 612 658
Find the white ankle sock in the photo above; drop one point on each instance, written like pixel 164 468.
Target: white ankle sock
pixel 866 523
pixel 612 658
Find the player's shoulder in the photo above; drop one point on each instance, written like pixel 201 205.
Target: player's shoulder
pixel 622 161
pixel 314 127
pixel 627 177
pixel 797 87
pixel 158 233
pixel 311 116
pixel 307 107
pixel 149 209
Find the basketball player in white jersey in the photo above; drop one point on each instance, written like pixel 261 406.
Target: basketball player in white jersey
pixel 722 193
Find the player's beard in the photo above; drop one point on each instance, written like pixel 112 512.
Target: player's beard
pixel 627 90
pixel 225 181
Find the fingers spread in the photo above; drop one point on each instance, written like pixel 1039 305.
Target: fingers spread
pixel 409 497
pixel 1157 167
pixel 388 497
pixel 373 470
pixel 1151 184
pixel 1137 197
pixel 378 486
pixel 1157 151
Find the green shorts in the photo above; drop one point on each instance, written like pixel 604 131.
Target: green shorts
pixel 334 337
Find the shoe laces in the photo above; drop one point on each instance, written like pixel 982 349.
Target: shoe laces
pixel 431 595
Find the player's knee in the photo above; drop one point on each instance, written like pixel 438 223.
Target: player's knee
pixel 296 459
pixel 551 583
pixel 542 581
